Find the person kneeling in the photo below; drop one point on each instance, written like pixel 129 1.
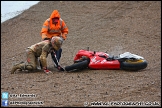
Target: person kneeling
pixel 39 50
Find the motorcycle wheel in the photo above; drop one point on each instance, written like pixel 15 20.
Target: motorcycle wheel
pixel 133 65
pixel 77 66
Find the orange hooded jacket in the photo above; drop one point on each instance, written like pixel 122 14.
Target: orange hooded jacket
pixel 49 30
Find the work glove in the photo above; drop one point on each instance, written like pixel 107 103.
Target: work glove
pixel 64 36
pixel 60 68
pixel 47 71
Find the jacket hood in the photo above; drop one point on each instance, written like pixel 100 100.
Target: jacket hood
pixel 54 14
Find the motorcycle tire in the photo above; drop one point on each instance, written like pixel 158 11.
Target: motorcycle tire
pixel 133 65
pixel 77 66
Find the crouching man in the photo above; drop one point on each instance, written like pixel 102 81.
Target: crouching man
pixel 40 50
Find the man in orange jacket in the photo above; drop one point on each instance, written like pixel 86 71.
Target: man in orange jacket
pixel 54 26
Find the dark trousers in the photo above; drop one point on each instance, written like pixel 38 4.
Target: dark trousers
pixel 58 56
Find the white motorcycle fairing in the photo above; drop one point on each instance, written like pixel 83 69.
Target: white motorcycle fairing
pixel 130 55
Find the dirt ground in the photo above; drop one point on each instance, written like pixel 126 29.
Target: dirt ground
pixel 112 26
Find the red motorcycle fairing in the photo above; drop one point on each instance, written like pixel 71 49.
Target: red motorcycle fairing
pixel 98 60
pixel 83 53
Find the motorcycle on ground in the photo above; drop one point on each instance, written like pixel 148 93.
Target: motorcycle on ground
pixel 102 61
